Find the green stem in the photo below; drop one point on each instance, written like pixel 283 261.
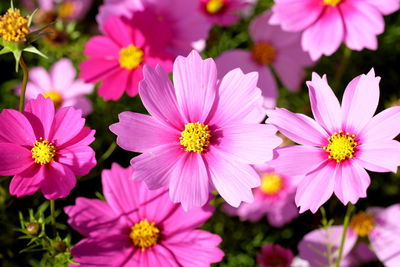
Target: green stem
pixel 345 226
pixel 53 215
pixel 342 67
pixel 24 83
pixel 108 153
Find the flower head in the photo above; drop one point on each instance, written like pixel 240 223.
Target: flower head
pixel 138 227
pixel 199 129
pixel 222 12
pixel 13 26
pixel 275 256
pixel 44 150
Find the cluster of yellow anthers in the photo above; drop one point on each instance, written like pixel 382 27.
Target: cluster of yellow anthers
pixel 332 2
pixel 13 26
pixel 362 223
pixel 196 137
pixel 214 6
pixel 43 152
pixel 271 183
pixel 130 57
pixel 144 234
pixel 341 146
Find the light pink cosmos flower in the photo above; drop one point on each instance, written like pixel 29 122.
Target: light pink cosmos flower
pixel 340 144
pixel 117 59
pixel 222 12
pixel 275 256
pixel 138 227
pixel 202 134
pixel 273 199
pixel 60 85
pixel 327 23
pixel 65 9
pixel 272 49
pixel 177 25
pixel 44 150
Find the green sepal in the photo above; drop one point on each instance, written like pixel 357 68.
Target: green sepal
pixel 5 50
pixel 17 55
pixel 31 17
pixel 34 50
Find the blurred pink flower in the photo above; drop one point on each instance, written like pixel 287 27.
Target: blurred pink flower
pixel 177 25
pixel 202 133
pixel 44 150
pixel 327 23
pixel 138 227
pixel 60 85
pixel 65 9
pixel 274 256
pixel 273 199
pixel 272 49
pixel 117 59
pixel 342 141
pixel 222 12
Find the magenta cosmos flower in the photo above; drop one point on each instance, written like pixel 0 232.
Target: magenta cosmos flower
pixel 327 23
pixel 275 256
pixel 340 144
pixel 272 49
pixel 222 12
pixel 273 199
pixel 117 59
pixel 60 85
pixel 176 25
pixel 202 133
pixel 65 9
pixel 44 150
pixel 138 227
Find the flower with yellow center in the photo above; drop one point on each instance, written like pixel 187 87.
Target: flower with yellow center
pixel 13 26
pixel 130 57
pixel 332 2
pixel 271 183
pixel 196 137
pixel 43 152
pixel 341 146
pixel 362 223
pixel 144 234
pixel 55 97
pixel 215 6
pixel 66 9
pixel 263 53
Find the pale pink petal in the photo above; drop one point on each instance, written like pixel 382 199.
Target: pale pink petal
pixel 382 156
pixel 62 75
pixel 32 91
pixel 58 181
pixel 14 159
pixel 40 113
pixel 117 29
pixel 84 137
pixel 297 127
pixel 78 88
pixel 79 159
pixel 81 103
pixel 386 7
pixel 41 78
pixel 27 182
pixel 68 122
pixel 16 129
pixel 95 69
pixel 324 104
pixel 101 47
pixel 113 86
pixel 195 82
pixel 278 217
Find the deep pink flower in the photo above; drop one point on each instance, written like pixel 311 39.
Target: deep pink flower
pixel 202 133
pixel 275 256
pixel 60 85
pixel 138 227
pixel 222 12
pixel 65 9
pixel 44 150
pixel 272 49
pixel 177 25
pixel 117 59
pixel 327 23
pixel 340 144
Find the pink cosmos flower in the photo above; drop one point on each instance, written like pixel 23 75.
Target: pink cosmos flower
pixel 340 144
pixel 138 227
pixel 272 49
pixel 325 24
pixel 202 133
pixel 60 85
pixel 275 256
pixel 273 199
pixel 222 12
pixel 43 149
pixel 65 9
pixel 117 59
pixel 176 25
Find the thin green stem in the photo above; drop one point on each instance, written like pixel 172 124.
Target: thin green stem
pixel 24 83
pixel 53 215
pixel 108 152
pixel 345 226
pixel 342 67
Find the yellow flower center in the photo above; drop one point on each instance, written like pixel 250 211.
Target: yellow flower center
pixel 43 152
pixel 66 9
pixel 271 183
pixel 130 57
pixel 55 96
pixel 332 2
pixel 196 137
pixel 13 26
pixel 144 234
pixel 362 223
pixel 263 53
pixel 341 146
pixel 214 6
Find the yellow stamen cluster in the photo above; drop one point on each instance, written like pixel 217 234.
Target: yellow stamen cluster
pixel 43 152
pixel 271 183
pixel 214 6
pixel 341 146
pixel 130 57
pixel 144 234
pixel 263 53
pixel 196 137
pixel 332 2
pixel 66 9
pixel 55 96
pixel 13 26
pixel 362 223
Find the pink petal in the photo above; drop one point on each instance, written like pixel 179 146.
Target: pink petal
pixel 101 47
pixel 27 182
pixel 382 156
pixel 386 7
pixel 79 159
pixel 15 128
pixel 84 137
pixel 40 113
pixel 297 127
pixel 324 104
pixel 77 88
pixel 132 88
pixel 81 103
pixel 68 123
pixel 96 69
pixel 156 256
pixel 195 83
pixel 62 75
pixel 117 29
pixel 14 159
pixel 113 86
pixel 58 181
pixel 41 78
